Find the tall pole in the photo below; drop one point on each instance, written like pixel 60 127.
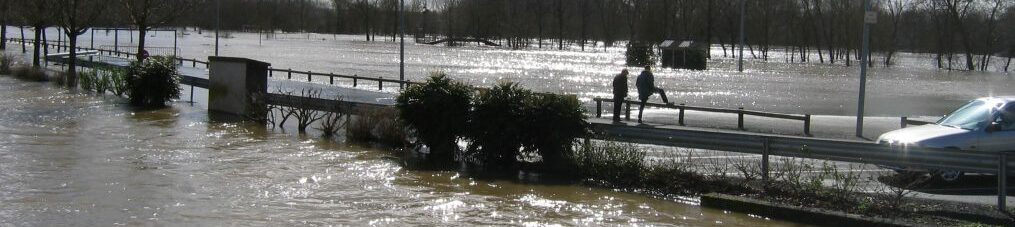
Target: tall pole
pixel 743 20
pixel 869 18
pixel 218 21
pixel 401 65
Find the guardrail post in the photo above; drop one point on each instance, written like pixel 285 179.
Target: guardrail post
pixel 902 123
pixel 628 114
pixel 310 76
pixel 599 108
pixel 380 83
pixel 290 73
pixel 191 93
pixel 331 78
pixel 193 63
pixel 1002 182
pixel 271 72
pixel 807 124
pixel 355 80
pixel 766 148
pixel 740 118
pixel 680 118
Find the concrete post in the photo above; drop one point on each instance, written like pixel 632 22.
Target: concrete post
pixel 239 87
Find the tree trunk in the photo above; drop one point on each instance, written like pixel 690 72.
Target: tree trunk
pixel 141 31
pixel 23 48
pixel 72 75
pixel 3 36
pixel 37 43
pixel 1007 64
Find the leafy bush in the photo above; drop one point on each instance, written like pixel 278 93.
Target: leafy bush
pixel 437 113
pixel 117 80
pixel 87 79
pixel 639 54
pixel 553 123
pixel 153 82
pixel 610 163
pixel 102 83
pixel 498 128
pixel 378 126
pixel 30 74
pixel 5 64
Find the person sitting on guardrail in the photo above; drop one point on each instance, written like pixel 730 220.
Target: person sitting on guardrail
pixel 619 93
pixel 646 87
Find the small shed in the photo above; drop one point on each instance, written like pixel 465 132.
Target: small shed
pixel 684 54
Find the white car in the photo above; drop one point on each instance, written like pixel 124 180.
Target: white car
pixel 984 124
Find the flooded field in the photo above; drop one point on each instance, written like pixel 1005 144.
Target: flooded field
pixel 69 158
pixel 913 87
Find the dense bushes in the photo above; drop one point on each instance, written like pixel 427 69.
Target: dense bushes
pixel 437 112
pixel 101 80
pixel 153 82
pixel 29 73
pixel 503 125
pixel 5 64
pixel 639 54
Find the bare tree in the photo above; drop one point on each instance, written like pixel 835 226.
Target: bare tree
pixel 36 14
pixel 148 14
pixel 75 16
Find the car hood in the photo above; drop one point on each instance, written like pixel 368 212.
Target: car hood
pixel 919 135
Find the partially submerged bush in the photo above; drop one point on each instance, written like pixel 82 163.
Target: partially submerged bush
pixel 610 163
pixel 498 125
pixel 5 64
pixel 553 123
pixel 117 80
pixel 87 79
pixel 436 112
pixel 30 73
pixel 378 126
pixel 153 82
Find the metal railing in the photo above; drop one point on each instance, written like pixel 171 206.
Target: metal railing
pixel 289 73
pixel 998 163
pixel 740 112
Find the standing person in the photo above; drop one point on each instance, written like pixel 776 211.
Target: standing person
pixel 646 87
pixel 619 93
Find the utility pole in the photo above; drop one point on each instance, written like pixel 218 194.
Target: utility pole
pixel 218 21
pixel 743 19
pixel 401 65
pixel 868 19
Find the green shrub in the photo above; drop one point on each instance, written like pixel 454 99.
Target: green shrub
pixel 437 113
pixel 87 79
pixel 378 126
pixel 639 54
pixel 30 73
pixel 101 83
pixel 610 163
pixel 117 80
pixel 153 82
pixel 5 64
pixel 497 128
pixel 553 123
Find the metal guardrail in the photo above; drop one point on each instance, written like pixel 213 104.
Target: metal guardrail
pixel 331 78
pixel 998 163
pixel 806 118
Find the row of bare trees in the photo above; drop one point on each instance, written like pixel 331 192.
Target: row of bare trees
pixel 75 17
pixel 961 34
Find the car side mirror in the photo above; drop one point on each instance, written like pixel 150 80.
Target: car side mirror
pixel 994 126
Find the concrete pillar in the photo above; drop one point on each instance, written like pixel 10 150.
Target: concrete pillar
pixel 238 87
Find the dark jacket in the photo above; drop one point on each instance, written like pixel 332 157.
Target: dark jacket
pixel 620 86
pixel 646 85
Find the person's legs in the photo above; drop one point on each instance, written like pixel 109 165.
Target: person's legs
pixel 662 94
pixel 641 108
pixel 617 104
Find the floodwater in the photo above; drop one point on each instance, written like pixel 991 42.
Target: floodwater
pixel 913 87
pixel 69 158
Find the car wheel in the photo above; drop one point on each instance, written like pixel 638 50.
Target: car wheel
pixel 948 176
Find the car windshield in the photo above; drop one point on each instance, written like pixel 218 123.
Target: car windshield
pixel 971 116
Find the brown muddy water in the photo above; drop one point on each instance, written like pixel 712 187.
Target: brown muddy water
pixel 70 158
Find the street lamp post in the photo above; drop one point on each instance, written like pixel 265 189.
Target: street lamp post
pixel 401 65
pixel 743 35
pixel 869 18
pixel 218 21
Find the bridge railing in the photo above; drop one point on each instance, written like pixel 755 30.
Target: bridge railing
pixel 740 112
pixel 896 155
pixel 356 80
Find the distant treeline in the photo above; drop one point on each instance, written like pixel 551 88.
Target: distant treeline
pixel 961 34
